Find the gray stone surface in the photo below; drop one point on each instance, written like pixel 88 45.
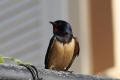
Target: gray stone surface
pixel 15 72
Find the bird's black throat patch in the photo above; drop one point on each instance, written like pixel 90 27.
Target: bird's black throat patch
pixel 64 39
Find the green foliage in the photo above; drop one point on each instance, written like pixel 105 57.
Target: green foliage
pixel 14 59
pixel 18 61
pixel 1 59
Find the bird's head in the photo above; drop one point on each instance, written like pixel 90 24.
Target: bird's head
pixel 61 28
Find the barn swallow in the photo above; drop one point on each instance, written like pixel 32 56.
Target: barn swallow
pixel 63 47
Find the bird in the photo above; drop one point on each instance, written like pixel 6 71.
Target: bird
pixel 63 47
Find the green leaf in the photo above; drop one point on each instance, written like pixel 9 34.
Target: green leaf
pixel 1 59
pixel 14 59
pixel 18 61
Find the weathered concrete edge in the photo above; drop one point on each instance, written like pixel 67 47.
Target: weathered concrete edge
pixel 15 72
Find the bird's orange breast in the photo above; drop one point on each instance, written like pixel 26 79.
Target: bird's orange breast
pixel 61 54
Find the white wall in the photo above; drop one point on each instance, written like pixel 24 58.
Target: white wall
pixel 19 29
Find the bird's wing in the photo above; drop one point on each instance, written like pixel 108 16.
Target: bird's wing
pixel 76 52
pixel 47 57
pixel 77 47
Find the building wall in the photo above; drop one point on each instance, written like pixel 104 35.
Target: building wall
pixel 19 29
pixel 102 35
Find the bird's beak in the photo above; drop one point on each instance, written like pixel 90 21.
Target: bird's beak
pixel 52 23
pixel 54 27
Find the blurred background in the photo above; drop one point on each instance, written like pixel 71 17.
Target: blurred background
pixel 25 32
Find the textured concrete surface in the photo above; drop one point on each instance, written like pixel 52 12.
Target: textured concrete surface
pixel 15 72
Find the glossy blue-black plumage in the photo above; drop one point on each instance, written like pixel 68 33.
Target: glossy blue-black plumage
pixel 62 30
pixel 63 27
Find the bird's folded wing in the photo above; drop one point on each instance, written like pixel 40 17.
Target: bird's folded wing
pixel 47 57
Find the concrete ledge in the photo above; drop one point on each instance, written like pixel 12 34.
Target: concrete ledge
pixel 15 72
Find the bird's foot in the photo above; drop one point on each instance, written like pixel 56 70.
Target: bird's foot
pixel 69 71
